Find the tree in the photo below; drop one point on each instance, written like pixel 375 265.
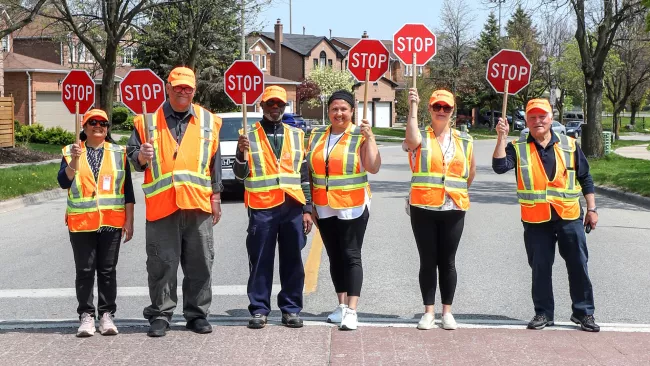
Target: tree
pixel 328 81
pixel 454 41
pixel 20 12
pixel 637 99
pixel 595 33
pixel 307 90
pixel 101 25
pixel 205 36
pixel 632 71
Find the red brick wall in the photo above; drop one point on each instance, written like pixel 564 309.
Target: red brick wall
pixel 42 49
pixel 16 86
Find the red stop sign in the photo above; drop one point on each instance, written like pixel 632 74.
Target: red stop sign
pixel 414 38
pixel 78 86
pixel 244 77
pixel 508 65
pixel 142 85
pixel 368 54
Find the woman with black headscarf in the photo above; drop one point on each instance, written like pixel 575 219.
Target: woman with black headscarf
pixel 339 157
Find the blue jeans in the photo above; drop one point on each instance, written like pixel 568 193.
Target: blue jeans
pixel 540 242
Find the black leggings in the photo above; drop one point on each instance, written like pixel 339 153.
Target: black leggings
pixel 437 234
pixel 343 240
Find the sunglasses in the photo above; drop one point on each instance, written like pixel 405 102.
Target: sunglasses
pixel 94 122
pixel 437 107
pixel 275 102
pixel 183 89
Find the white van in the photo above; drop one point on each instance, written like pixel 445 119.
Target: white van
pixel 228 136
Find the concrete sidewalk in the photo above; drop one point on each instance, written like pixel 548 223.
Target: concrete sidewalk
pixel 636 152
pixel 320 344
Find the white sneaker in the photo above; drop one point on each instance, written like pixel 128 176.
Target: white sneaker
pixel 337 314
pixel 349 321
pixel 87 326
pixel 448 322
pixel 106 325
pixel 428 321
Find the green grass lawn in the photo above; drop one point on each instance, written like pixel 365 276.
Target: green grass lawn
pixel 27 179
pixel 623 143
pixel 381 131
pixel 629 174
pixel 51 149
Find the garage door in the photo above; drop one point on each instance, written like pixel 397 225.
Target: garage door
pixel 51 112
pixel 359 112
pixel 382 117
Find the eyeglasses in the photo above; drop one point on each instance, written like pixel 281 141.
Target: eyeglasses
pixel 275 102
pixel 445 108
pixel 183 89
pixel 94 122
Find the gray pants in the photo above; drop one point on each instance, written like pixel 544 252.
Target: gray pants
pixel 186 237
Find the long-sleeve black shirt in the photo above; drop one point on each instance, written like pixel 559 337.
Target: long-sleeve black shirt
pixel 275 135
pixel 177 124
pixel 547 155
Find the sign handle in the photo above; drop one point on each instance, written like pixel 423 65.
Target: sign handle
pixel 414 105
pixel 77 125
pixel 505 102
pixel 365 95
pixel 145 122
pixel 244 121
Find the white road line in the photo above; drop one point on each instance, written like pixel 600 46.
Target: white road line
pixel 234 290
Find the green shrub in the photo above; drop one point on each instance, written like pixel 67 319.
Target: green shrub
pixel 120 114
pixel 123 140
pixel 128 124
pixel 38 134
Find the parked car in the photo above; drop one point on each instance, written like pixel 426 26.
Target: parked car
pixel 296 120
pixel 485 117
pixel 228 136
pixel 557 128
pixel 574 128
pixel 520 120
pixel 573 116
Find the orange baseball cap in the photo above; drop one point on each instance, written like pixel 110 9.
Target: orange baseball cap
pixel 274 92
pixel 182 76
pixel 442 96
pixel 94 114
pixel 541 104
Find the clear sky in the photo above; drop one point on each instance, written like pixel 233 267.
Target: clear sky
pixel 349 18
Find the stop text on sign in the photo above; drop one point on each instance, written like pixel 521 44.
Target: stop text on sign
pixel 369 60
pixel 142 92
pixel 243 82
pixel 509 72
pixel 78 92
pixel 415 44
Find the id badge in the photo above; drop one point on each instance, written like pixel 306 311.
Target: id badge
pixel 106 183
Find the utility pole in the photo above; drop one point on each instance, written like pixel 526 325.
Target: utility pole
pixel 499 2
pixel 243 29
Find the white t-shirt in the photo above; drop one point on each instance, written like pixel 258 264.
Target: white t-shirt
pixel 346 213
pixel 449 149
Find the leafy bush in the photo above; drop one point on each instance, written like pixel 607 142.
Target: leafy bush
pixel 128 124
pixel 38 134
pixel 120 114
pixel 122 141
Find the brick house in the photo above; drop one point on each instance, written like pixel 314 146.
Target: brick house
pixel 37 58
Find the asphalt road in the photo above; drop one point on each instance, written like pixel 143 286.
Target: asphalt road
pixel 37 270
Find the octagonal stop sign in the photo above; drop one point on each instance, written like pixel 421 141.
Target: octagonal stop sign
pixel 414 39
pixel 142 85
pixel 243 76
pixel 509 65
pixel 368 54
pixel 78 87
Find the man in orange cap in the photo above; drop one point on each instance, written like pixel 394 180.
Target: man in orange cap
pixel 552 171
pixel 182 187
pixel 279 205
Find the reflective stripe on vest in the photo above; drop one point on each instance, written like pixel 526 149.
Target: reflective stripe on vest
pixel 350 178
pixel 260 180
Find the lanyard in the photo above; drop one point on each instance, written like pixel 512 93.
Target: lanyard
pixel 444 153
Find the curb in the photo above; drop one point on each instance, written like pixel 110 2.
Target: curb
pixel 627 197
pixel 32 199
pixel 4 166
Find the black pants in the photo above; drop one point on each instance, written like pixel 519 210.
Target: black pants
pixel 343 240
pixel 540 242
pixel 437 235
pixel 96 252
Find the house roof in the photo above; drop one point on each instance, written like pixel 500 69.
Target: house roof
pixel 17 63
pixel 270 79
pixel 264 44
pixel 384 79
pixel 301 43
pixel 352 41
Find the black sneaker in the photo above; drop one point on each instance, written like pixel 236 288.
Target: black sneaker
pixel 257 321
pixel 291 320
pixel 199 325
pixel 587 323
pixel 539 322
pixel 158 328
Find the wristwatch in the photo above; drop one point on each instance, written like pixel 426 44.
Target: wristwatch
pixel 592 210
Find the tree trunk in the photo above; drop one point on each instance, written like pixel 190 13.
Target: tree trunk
pixel 592 132
pixel 615 122
pixel 108 82
pixel 634 107
pixel 560 106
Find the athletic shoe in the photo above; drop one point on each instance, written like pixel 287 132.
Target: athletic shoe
pixel 448 322
pixel 349 321
pixel 106 325
pixel 337 314
pixel 87 326
pixel 428 321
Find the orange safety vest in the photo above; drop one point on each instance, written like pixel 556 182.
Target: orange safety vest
pixel 270 178
pixel 536 193
pixel 338 182
pixel 430 182
pixel 178 176
pixel 93 204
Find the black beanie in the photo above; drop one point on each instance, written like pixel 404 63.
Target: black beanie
pixel 344 95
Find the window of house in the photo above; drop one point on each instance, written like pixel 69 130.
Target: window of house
pixel 346 64
pixel 127 58
pixel 260 61
pixel 5 44
pixel 408 70
pixel 322 59
pixel 315 63
pixel 329 62
pixel 79 53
